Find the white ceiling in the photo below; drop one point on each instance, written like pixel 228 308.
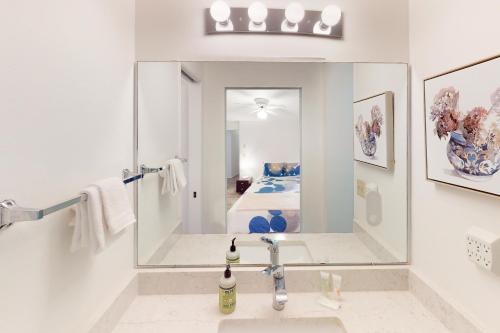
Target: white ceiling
pixel 283 104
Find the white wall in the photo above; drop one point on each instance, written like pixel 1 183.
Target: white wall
pixel 268 141
pixel 445 35
pixel 174 30
pixel 233 153
pixel 192 223
pixel 391 232
pixel 159 139
pixel 67 120
pixel 339 171
pixel 219 75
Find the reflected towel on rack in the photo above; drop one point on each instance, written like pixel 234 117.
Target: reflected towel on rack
pixel 89 223
pixel 116 206
pixel 173 177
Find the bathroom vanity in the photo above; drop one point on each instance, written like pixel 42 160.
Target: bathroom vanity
pixel 382 299
pixel 326 148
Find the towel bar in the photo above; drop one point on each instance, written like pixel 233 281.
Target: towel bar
pixel 10 212
pixel 144 169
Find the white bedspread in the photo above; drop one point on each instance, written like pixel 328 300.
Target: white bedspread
pixel 274 201
pixel 267 201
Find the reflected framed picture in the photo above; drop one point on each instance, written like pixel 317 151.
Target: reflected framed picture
pixel 373 127
pixel 462 126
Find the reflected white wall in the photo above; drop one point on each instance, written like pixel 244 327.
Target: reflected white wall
pixel 159 138
pixel 391 232
pixel 339 170
pixel 233 153
pixel 268 141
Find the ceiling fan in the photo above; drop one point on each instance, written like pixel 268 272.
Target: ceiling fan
pixel 264 109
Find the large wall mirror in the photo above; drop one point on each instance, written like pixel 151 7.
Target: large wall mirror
pixel 314 155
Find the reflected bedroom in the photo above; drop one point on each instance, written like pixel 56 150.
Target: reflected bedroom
pixel 310 154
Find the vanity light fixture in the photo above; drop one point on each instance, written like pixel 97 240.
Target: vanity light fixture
pixel 294 13
pixel 257 12
pixel 220 12
pixel 258 19
pixel 330 16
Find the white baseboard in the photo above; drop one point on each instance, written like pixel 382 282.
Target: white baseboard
pixel 451 317
pixel 166 245
pixel 375 245
pixel 110 318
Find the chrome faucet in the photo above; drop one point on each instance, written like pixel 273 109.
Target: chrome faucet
pixel 277 271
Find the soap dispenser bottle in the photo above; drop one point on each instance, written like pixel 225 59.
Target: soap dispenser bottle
pixel 227 292
pixel 232 255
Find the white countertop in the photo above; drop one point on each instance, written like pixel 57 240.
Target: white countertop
pixel 361 312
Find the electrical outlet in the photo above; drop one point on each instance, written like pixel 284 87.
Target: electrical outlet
pixel 483 248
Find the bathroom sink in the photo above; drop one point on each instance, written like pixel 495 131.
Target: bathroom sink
pixel 282 325
pixel 252 252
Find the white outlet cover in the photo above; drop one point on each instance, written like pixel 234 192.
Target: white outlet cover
pixel 483 248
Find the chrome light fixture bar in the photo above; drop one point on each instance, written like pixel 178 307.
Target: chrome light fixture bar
pixel 258 19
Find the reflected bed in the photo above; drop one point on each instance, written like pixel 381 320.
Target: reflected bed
pixel 270 204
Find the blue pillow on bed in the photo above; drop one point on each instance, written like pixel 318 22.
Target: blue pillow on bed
pixel 273 169
pixel 291 169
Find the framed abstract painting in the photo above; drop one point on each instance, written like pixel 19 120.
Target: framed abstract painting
pixel 462 126
pixel 374 130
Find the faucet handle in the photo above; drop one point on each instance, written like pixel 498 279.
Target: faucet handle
pixel 274 270
pixel 267 271
pixel 269 241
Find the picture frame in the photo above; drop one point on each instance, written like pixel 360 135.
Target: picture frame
pixel 462 127
pixel 373 130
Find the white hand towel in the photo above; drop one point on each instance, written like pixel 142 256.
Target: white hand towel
pixel 117 210
pixel 95 216
pixel 179 173
pixel 173 177
pixel 80 236
pixel 167 176
pixel 89 223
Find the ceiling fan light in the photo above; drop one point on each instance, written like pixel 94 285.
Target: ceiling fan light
pixel 262 114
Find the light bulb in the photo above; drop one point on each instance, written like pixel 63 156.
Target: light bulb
pixel 257 12
pixel 262 114
pixel 220 11
pixel 331 15
pixel 294 13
